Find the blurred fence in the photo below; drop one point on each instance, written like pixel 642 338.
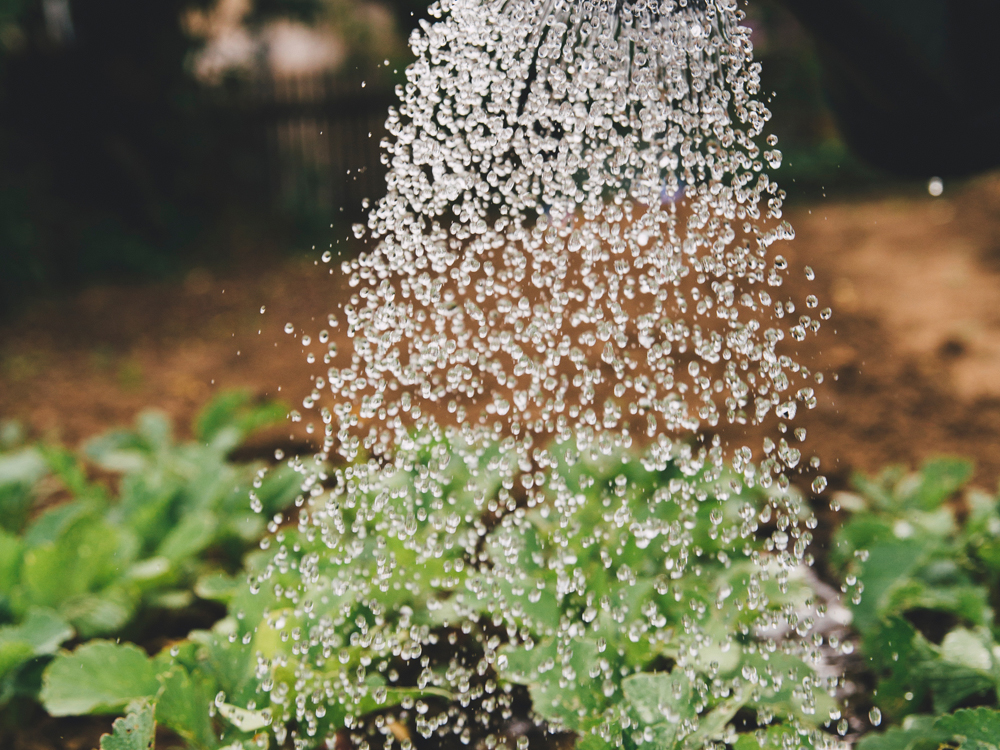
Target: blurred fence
pixel 319 136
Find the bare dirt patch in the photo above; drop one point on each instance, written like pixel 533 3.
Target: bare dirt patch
pixel 912 353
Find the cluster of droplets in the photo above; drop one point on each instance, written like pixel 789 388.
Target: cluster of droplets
pixel 572 268
pixel 573 237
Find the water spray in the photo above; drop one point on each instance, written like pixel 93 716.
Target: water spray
pixel 532 481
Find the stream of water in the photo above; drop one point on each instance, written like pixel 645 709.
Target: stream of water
pixel 535 511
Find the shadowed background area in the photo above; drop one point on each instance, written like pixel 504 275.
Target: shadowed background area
pixel 138 140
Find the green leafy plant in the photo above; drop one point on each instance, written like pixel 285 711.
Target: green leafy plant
pixel 136 731
pixel 314 649
pixel 91 564
pixel 919 556
pixel 524 619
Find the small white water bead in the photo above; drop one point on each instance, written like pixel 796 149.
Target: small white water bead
pixel 573 255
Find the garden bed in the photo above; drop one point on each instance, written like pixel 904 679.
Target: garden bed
pixel 912 358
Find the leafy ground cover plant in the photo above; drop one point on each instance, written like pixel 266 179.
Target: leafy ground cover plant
pixel 98 563
pixel 920 557
pixel 313 654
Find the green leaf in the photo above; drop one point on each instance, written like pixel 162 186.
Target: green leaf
pixel 592 742
pixel 25 466
pixel 541 670
pixel 11 557
pixel 951 683
pixel 234 410
pixel 339 708
pixel 66 466
pixel 136 731
pixel 967 648
pixel 119 451
pixel 53 523
pixel 713 724
pixel 778 737
pixel 217 586
pixel 895 651
pixel 13 653
pixel 182 704
pixel 153 571
pixel 41 633
pixel 244 719
pixel 99 677
pixel 15 502
pixel 889 564
pixel 101 613
pixel 280 486
pixel 659 696
pixel 155 429
pixel 879 489
pixel 231 667
pixel 939 479
pixel 660 700
pixel 43 629
pixel 917 733
pixel 976 724
pixel 86 557
pixel 968 603
pixel 18 474
pixel 177 599
pixel 189 537
pixel 148 505
pixel 220 413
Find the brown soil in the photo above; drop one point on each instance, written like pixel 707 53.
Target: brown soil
pixel 912 353
pixel 913 349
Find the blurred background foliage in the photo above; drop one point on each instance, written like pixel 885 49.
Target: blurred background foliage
pixel 140 139
pixel 127 144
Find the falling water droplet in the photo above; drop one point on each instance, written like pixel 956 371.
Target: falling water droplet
pixel 530 448
pixel 875 716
